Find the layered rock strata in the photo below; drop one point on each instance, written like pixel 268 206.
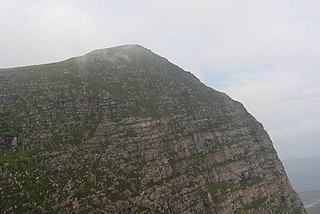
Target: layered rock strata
pixel 123 130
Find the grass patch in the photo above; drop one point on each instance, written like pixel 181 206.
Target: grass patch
pixel 10 123
pixel 15 159
pixel 252 182
pixel 33 187
pixel 129 134
pixel 255 203
pixel 218 186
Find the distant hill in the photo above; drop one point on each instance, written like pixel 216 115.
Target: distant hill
pixel 123 130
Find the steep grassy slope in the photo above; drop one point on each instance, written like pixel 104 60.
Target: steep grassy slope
pixel 123 130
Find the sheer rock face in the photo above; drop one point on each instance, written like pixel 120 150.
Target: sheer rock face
pixel 122 130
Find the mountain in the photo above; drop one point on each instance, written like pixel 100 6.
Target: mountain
pixel 123 130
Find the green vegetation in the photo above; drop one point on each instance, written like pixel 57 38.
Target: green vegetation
pixel 256 180
pixel 223 163
pixel 255 203
pixel 34 186
pixel 15 159
pixel 273 199
pixel 218 186
pixel 226 162
pixel 129 133
pixel 297 211
pixel 294 199
pixel 280 209
pixel 10 123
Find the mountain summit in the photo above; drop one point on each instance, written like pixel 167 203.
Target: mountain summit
pixel 123 130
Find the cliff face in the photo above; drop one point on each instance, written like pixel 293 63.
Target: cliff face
pixel 123 130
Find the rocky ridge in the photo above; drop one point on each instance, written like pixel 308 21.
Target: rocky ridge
pixel 123 130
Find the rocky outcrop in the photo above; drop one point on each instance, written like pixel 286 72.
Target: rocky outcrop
pixel 122 130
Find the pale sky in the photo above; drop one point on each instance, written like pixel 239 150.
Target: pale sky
pixel 263 53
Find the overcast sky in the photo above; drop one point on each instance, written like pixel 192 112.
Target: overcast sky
pixel 264 53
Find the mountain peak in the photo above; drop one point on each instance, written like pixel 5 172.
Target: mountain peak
pixel 122 130
pixel 123 49
pixel 126 48
pixel 118 54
